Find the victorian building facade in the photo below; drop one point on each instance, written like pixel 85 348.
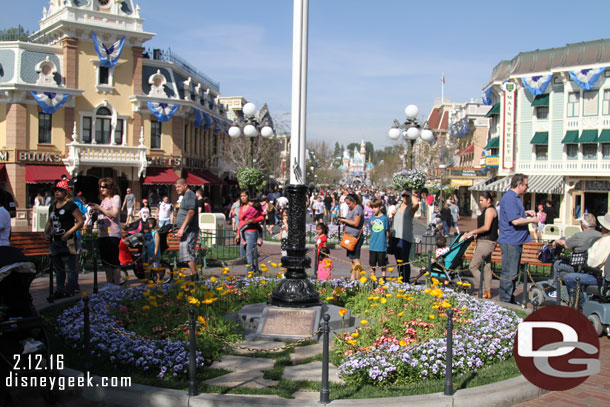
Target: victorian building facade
pixel 550 119
pixel 83 97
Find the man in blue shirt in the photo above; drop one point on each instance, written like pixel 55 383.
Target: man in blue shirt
pixel 513 233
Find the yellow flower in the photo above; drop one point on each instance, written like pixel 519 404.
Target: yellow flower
pixel 330 298
pixel 373 277
pixel 263 282
pixel 364 321
pixel 435 280
pixel 84 294
pixel 250 275
pixel 213 280
pixel 400 314
pixel 385 287
pixel 402 342
pixel 426 274
pixel 390 269
pixel 463 308
pixel 362 272
pixel 146 308
pixel 401 290
pixel 427 290
pixel 354 334
pixel 459 283
pixel 467 284
pixel 180 294
pixel 193 300
pixel 279 275
pixel 225 270
pixel 363 279
pixel 352 342
pixel 373 305
pixel 342 312
pixel 219 288
pixel 366 311
pixel 381 280
pixel 154 304
pixel 375 298
pixel 398 261
pixel 159 296
pixel 383 300
pixel 202 320
pixel 409 298
pixel 431 316
pixel 446 304
pixel 388 295
pixel 371 298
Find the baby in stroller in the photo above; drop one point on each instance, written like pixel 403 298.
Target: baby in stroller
pixel 146 246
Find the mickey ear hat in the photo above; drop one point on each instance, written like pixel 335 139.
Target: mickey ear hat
pixel 61 184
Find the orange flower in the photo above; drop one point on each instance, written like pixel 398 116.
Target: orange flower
pixel 342 312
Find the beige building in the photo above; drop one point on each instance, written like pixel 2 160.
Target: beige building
pixel 83 97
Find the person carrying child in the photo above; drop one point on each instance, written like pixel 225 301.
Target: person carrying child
pixel 322 232
pixel 325 265
pixel 378 242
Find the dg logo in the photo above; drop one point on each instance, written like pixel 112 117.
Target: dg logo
pixel 557 348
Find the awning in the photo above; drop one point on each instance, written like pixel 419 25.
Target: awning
pixel 500 185
pixel 494 110
pixel 588 136
pixel 479 185
pixel 194 177
pixel 545 184
pixel 213 179
pixel 469 149
pixel 541 138
pixel 2 172
pixel 570 137
pixel 493 143
pixel 164 176
pixel 604 137
pixel 35 174
pixel 541 100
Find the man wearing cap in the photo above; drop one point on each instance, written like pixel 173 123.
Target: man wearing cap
pixel 596 257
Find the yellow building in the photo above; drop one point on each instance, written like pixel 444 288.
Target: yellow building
pixel 83 97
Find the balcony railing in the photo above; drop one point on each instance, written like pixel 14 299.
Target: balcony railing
pixel 105 155
pixel 585 167
pixel 167 55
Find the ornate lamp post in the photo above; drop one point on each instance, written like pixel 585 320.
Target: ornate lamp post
pixel 252 126
pixel 411 130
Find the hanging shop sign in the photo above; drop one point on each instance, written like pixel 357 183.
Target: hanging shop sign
pixel 492 161
pixel 508 107
pixel 27 156
pixel 162 161
pixel 462 182
pixel 467 173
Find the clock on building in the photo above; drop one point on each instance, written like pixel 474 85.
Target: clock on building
pixel 103 3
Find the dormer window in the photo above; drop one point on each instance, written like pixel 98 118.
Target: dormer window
pixel 104 77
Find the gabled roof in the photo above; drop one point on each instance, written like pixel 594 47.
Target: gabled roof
pixel 444 121
pixel 434 118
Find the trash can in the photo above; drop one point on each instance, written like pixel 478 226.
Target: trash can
pixel 211 224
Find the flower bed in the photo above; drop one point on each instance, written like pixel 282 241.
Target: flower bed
pixel 400 338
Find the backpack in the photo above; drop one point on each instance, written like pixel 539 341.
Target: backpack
pixel 547 253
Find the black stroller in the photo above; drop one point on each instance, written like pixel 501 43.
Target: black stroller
pixel 134 244
pixel 445 267
pixel 23 337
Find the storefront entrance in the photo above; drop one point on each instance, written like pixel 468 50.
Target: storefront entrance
pixel 88 184
pixel 596 203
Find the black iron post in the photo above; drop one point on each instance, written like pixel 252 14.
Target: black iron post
pixel 577 295
pixel 51 296
pixel 449 357
pixel 482 279
pixel 559 292
pixel 296 290
pixel 325 391
pixel 86 333
pixel 412 144
pixel 93 251
pixel 192 355
pixel 525 298
pixel 535 304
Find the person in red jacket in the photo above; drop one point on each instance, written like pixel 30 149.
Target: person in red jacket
pixel 249 222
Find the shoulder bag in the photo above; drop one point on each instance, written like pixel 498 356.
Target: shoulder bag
pixel 349 242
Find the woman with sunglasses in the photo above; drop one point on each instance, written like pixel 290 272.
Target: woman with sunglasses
pixel 109 225
pixel 401 234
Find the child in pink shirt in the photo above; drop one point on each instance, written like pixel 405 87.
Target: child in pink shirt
pixel 325 266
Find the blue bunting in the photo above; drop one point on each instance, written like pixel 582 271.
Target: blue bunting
pixel 198 117
pixel 218 125
pixel 163 111
pixel 109 56
pixel 537 84
pixel 208 121
pixel 586 78
pixel 50 102
pixel 487 97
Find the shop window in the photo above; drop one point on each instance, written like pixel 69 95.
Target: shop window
pixel 86 137
pixel 572 151
pixel 44 128
pixel 606 150
pixel 590 102
pixel 542 151
pixel 118 132
pixel 155 135
pixel 103 126
pixel 606 102
pixel 589 151
pixel 542 112
pixel 573 104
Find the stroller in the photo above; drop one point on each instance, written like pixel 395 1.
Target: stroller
pixel 132 253
pixel 22 331
pixel 435 228
pixel 443 268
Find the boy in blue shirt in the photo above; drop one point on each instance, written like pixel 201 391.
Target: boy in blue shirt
pixel 378 242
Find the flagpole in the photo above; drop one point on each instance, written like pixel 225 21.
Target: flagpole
pixel 443 88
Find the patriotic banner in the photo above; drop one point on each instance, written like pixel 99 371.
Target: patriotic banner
pixel 163 111
pixel 218 125
pixel 537 84
pixel 208 121
pixel 50 102
pixel 198 117
pixel 586 78
pixel 487 97
pixel 109 56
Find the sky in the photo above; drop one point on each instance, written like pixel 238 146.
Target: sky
pixel 368 59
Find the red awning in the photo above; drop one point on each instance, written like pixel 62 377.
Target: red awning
pixel 165 176
pixel 35 174
pixel 2 172
pixel 214 180
pixel 194 177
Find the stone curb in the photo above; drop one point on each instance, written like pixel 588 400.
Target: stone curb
pixel 501 394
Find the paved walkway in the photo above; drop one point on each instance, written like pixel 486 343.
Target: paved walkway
pixel 594 392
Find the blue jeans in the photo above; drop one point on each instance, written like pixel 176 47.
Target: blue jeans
pixel 585 279
pixel 558 267
pixel 250 250
pixel 511 257
pixel 446 227
pixel 63 265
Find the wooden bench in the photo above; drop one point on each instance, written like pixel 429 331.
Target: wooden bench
pixel 30 243
pixel 173 247
pixel 529 254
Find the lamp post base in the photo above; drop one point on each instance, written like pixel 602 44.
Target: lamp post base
pixel 296 290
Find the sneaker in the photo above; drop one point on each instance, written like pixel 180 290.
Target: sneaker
pixel 552 294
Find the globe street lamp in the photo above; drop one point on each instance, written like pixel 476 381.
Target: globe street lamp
pixel 251 126
pixel 411 130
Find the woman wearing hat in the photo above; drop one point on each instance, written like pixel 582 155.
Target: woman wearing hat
pixel 64 220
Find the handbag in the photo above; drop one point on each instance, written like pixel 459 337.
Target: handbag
pixel 349 242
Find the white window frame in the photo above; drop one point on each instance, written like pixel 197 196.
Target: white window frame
pixel 605 102
pixel 583 151
pixel 596 104
pixel 567 155
pixel 103 87
pixel 93 115
pixel 605 156
pixel 576 105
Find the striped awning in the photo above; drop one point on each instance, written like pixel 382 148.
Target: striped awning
pixel 500 185
pixel 481 184
pixel 545 184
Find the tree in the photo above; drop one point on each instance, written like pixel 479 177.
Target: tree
pixel 382 172
pixel 265 152
pixel 338 155
pixel 14 34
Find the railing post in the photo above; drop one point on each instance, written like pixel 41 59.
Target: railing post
pixel 192 356
pixel 93 251
pixel 449 358
pixel 535 304
pixel 86 334
pixel 51 298
pixel 324 391
pixel 577 295
pixel 525 298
